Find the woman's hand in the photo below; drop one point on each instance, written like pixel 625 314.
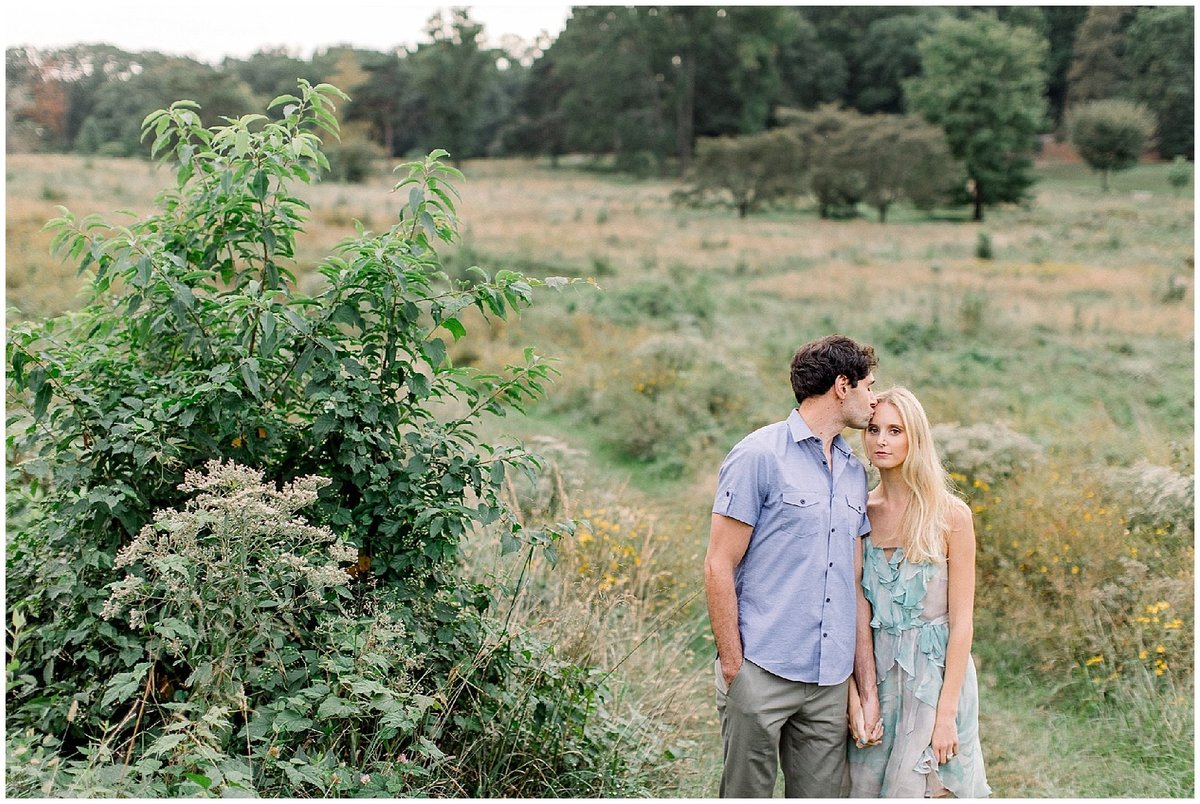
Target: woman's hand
pixel 858 722
pixel 945 740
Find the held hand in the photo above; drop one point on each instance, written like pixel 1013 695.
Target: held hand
pixel 871 718
pixel 858 727
pixel 729 669
pixel 945 741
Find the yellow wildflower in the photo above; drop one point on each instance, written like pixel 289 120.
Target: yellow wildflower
pixel 1094 660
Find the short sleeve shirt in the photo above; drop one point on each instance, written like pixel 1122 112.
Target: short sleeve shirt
pixel 795 584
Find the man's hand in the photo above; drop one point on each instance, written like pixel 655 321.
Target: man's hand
pixel 730 668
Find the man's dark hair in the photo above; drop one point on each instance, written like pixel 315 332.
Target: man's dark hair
pixel 817 365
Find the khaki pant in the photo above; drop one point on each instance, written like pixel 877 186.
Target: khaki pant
pixel 768 721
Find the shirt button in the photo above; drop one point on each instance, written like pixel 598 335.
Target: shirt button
pixel 825 635
pixel 833 530
pixel 826 600
pixel 831 563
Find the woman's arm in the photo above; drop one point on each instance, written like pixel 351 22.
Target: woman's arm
pixel 960 555
pixel 863 680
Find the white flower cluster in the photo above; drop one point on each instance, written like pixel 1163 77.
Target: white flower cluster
pixel 1154 495
pixel 988 452
pixel 235 527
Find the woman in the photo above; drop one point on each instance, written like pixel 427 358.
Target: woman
pixel 919 577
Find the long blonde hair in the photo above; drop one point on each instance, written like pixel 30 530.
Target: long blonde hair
pixel 926 520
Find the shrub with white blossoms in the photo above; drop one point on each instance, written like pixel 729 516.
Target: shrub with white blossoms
pixel 988 452
pixel 1154 496
pixel 236 565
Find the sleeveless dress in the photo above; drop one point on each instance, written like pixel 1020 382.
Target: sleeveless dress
pixel 911 626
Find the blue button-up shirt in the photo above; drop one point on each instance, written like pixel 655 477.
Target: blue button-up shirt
pixel 795 585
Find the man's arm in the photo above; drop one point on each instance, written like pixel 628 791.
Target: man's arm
pixel 727 543
pixel 864 654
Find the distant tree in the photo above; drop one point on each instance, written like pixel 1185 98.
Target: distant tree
pixel 273 72
pixel 905 158
pixel 829 138
pixel 1098 68
pixel 878 159
pixel 984 83
pixel 814 69
pixel 886 54
pixel 121 105
pixel 1160 54
pixel 745 172
pixel 1062 25
pixel 613 101
pixel 1110 135
pixel 388 101
pixel 453 75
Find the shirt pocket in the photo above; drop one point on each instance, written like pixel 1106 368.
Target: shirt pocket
pixel 802 514
pixel 855 513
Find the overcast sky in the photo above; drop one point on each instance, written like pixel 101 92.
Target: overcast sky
pixel 212 29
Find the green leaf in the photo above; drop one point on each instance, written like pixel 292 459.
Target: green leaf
pixel 334 706
pixel 249 371
pixel 41 400
pixel 202 781
pixel 509 543
pixel 260 184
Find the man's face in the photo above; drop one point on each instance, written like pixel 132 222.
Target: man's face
pixel 859 403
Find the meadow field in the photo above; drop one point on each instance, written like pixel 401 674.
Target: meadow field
pixel 1052 344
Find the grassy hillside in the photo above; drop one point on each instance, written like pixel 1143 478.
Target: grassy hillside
pixel 1053 343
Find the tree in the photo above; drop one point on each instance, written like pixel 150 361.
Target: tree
pixel 389 101
pixel 984 83
pixel 886 54
pixel 880 159
pixel 274 72
pixel 1160 55
pixel 745 172
pixel 1098 69
pixel 902 157
pixel 1062 25
pixel 829 138
pixel 1110 135
pixel 453 76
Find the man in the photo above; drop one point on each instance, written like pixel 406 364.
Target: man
pixel 782 576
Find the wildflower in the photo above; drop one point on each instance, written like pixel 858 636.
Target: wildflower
pixel 364 779
pixel 1075 569
pixel 273 752
pixel 1176 623
pixel 1094 660
pixel 1143 654
pixel 1160 649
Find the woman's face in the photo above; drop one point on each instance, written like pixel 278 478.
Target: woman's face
pixel 886 440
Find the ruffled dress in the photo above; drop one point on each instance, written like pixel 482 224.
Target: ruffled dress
pixel 911 625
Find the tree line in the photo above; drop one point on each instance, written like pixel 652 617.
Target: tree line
pixel 641 84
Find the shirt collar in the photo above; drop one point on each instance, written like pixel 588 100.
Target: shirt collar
pixel 802 432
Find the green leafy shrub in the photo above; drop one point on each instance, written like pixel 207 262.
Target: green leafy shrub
pixel 1180 174
pixel 195 346
pixel 1111 134
pixel 983 246
pixel 672 398
pixel 681 303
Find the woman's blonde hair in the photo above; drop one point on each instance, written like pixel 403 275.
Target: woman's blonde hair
pixel 926 520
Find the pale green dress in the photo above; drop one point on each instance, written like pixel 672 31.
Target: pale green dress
pixel 910 623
